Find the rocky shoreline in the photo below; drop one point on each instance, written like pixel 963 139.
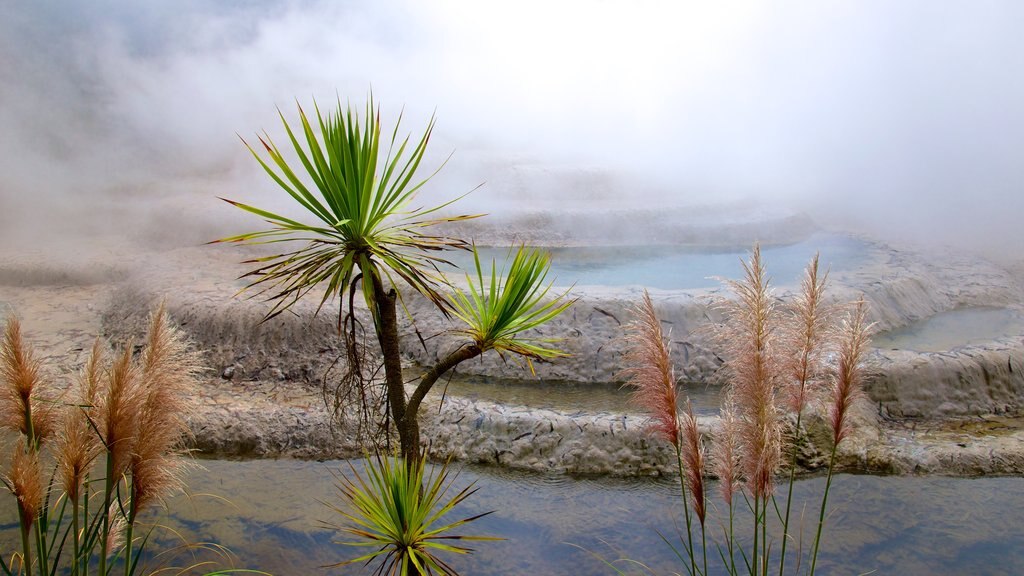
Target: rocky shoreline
pixel 938 413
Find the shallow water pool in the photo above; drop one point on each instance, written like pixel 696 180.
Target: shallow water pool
pixel 569 396
pixel 267 513
pixel 680 267
pixel 953 329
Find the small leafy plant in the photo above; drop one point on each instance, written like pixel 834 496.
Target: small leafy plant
pixel 398 510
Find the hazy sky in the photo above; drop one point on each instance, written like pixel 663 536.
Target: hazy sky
pixel 905 119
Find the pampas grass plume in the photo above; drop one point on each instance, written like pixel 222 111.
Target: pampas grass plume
pixel 747 340
pixel 26 482
pixel 27 396
pixel 806 334
pixel 649 371
pixel 118 406
pixel 77 445
pixel 693 455
pixel 725 457
pixel 847 385
pixel 168 375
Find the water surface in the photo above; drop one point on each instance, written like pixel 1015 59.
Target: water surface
pixel 681 267
pixel 566 396
pixel 953 329
pixel 267 513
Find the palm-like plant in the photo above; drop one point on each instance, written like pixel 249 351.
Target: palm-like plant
pixel 496 310
pixel 366 226
pixel 400 515
pixel 368 236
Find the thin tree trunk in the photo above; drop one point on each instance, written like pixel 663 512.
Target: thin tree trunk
pixel 387 335
pixel 431 377
pixel 410 426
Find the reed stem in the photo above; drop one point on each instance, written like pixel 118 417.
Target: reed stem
pixel 764 536
pixel 686 508
pixel 821 513
pixel 26 549
pixel 85 514
pixel 129 530
pixel 75 536
pixel 755 558
pixel 731 542
pixel 789 495
pixel 704 547
pixel 105 511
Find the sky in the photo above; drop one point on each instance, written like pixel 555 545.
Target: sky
pixel 903 120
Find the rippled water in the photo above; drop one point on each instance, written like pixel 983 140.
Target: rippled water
pixel 953 329
pixel 267 513
pixel 681 267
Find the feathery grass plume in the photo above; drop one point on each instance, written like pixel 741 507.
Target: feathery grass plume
pixel 848 380
pixel 90 378
pixel 649 370
pixel 725 456
pixel 119 401
pixel 747 338
pixel 76 449
pixel 116 531
pixel 168 377
pixel 854 335
pixel 77 445
pixel 26 483
pixel 27 403
pixel 693 455
pixel 806 334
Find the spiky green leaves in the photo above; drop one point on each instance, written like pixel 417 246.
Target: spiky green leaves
pixel 497 309
pixel 361 202
pixel 398 510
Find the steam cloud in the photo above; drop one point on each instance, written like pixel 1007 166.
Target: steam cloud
pixel 905 120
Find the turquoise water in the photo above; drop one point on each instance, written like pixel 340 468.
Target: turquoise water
pixel 270 514
pixel 953 329
pixel 681 267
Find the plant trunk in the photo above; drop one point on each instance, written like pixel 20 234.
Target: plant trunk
pixel 387 335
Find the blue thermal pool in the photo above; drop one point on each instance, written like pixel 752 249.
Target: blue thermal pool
pixel 681 267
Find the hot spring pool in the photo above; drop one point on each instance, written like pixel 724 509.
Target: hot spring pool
pixel 268 511
pixel 953 329
pixel 680 267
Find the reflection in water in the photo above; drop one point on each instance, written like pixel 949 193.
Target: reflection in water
pixel 569 396
pixel 680 267
pixel 270 512
pixel 953 329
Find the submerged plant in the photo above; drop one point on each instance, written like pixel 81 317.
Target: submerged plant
pixel 398 511
pixel 776 361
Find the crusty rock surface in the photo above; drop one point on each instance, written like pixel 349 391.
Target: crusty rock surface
pixel 261 398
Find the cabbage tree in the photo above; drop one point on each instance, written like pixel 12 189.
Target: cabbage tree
pixel 357 186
